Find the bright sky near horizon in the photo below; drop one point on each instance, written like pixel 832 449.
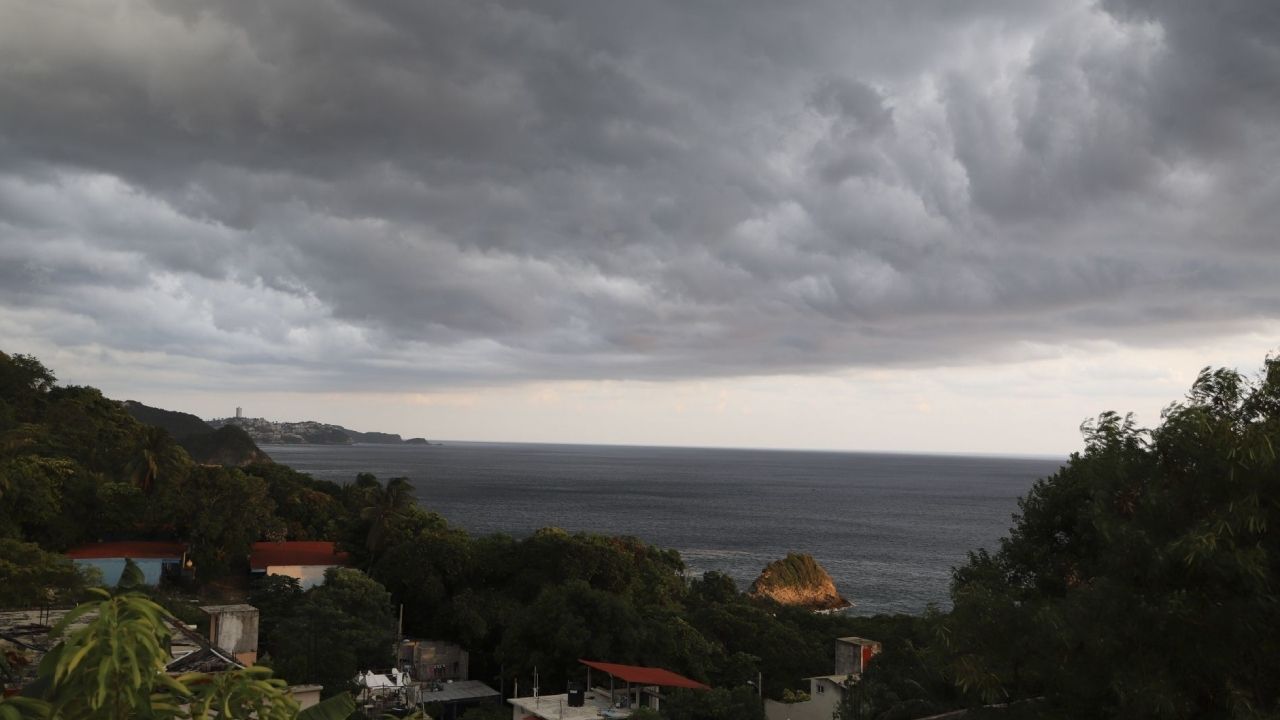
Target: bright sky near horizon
pixel 874 225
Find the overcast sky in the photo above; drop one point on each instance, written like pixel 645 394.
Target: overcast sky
pixel 923 225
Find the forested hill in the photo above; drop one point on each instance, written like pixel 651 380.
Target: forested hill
pixel 178 424
pixel 228 446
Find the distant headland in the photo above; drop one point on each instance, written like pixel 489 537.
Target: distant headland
pixel 234 441
pixel 309 432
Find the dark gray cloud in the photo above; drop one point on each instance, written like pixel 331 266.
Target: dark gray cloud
pixel 342 194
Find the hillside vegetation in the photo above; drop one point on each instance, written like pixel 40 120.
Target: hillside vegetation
pixel 178 424
pixel 206 445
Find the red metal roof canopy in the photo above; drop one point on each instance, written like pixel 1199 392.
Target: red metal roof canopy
pixel 645 675
pixel 133 549
pixel 265 554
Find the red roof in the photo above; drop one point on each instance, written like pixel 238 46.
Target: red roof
pixel 645 675
pixel 134 549
pixel 295 553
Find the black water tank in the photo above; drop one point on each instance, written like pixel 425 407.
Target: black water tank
pixel 576 695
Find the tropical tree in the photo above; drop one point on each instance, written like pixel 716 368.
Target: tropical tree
pixel 386 504
pixel 276 597
pixel 35 507
pixel 223 512
pixel 24 384
pixel 158 456
pixel 740 703
pixel 310 509
pixel 30 576
pixel 1140 579
pixel 335 630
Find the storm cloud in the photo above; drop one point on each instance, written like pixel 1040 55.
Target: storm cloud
pixel 339 195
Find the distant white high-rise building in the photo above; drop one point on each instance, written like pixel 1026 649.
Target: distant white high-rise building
pixel 239 412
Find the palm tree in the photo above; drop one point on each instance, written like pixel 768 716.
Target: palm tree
pixel 387 504
pixel 158 455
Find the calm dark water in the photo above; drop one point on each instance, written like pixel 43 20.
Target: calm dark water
pixel 888 528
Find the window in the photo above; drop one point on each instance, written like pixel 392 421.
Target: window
pixel 821 688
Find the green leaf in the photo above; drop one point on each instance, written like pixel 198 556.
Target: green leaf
pixel 338 707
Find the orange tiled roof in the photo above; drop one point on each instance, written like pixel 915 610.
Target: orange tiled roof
pixel 134 549
pixel 266 554
pixel 645 675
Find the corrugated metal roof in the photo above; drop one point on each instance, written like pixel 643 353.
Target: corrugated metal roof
pixel 133 549
pixel 645 675
pixel 457 691
pixel 265 554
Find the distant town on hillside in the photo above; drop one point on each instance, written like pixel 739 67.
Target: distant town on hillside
pixel 308 432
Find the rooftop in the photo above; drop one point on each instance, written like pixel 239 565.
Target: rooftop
pixel 645 675
pixel 457 691
pixel 134 549
pixel 837 679
pixel 206 659
pixel 858 641
pixel 221 609
pixel 556 707
pixel 267 554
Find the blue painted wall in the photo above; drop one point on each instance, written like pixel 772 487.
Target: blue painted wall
pixel 113 568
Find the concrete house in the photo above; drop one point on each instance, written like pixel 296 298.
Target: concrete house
pixel 435 660
pixel 233 629
pixel 629 687
pixel 305 561
pixel 852 656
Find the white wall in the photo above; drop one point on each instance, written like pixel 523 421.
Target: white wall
pixel 821 705
pixel 308 575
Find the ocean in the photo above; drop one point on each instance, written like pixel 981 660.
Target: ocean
pixel 887 527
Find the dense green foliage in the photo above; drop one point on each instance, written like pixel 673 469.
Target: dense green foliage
pixel 228 445
pixel 547 600
pixel 1140 580
pixel 179 425
pixel 75 467
pixel 34 577
pixel 740 703
pixel 332 631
